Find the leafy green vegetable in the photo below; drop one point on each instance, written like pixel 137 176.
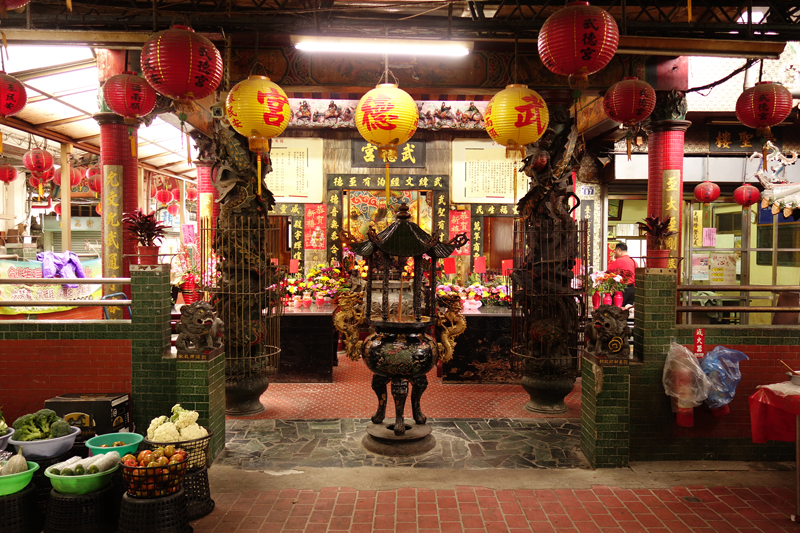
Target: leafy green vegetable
pixel 44 424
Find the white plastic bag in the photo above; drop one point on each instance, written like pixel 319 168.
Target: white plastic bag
pixel 683 378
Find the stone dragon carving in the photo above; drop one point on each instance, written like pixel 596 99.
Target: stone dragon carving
pixel 452 324
pixel 608 333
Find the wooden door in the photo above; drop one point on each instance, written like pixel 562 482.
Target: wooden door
pixel 499 241
pixel 284 246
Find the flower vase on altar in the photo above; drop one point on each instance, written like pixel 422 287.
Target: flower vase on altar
pixel 597 299
pixel 618 298
pixel 607 300
pixel 189 290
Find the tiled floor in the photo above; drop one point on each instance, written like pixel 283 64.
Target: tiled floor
pixel 299 467
pixel 351 396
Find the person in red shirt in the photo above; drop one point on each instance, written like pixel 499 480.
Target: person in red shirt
pixel 622 261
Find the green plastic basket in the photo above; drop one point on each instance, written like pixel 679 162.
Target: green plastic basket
pixel 131 441
pixel 16 482
pixel 85 484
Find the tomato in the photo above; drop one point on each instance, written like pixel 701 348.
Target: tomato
pixel 128 456
pixel 104 445
pixel 169 450
pixel 118 443
pixel 179 455
pixel 144 456
pixel 158 452
pixel 131 462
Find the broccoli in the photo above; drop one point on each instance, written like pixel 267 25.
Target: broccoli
pixel 26 429
pixel 60 428
pixel 44 418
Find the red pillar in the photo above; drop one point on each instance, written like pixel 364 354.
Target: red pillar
pixel 118 142
pixel 207 205
pixel 665 154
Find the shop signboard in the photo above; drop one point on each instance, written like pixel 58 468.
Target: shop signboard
pixel 410 154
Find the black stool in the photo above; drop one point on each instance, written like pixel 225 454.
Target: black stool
pixel 168 514
pixel 87 513
pixel 42 482
pixel 198 493
pixel 20 512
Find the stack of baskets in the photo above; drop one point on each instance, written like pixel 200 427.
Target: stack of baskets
pixel 195 484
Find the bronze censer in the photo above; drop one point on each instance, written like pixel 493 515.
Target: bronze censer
pixel 406 322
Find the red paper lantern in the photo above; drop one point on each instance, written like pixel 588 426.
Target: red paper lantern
pixel 173 209
pixel 762 106
pixel 12 95
pixel 176 194
pixel 629 101
pixel 746 195
pixel 47 175
pixel 37 160
pixel 7 173
pixel 164 197
pixel 99 209
pixel 129 95
pixel 57 209
pixel 577 41
pixel 74 177
pixel 34 181
pixel 706 192
pixel 13 4
pixel 181 64
pixel 94 178
pixel 191 194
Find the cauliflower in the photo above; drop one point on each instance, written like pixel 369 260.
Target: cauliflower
pixel 154 424
pixel 184 418
pixel 193 431
pixel 166 432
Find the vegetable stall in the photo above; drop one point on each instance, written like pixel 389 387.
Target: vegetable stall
pixel 119 481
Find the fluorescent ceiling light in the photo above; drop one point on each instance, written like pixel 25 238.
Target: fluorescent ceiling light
pixel 410 47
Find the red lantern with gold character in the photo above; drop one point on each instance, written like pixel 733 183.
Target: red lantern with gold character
pixel 48 174
pixel 191 194
pixel 94 179
pixel 762 106
pixel 37 160
pixel 578 40
pixel 74 178
pixel 746 195
pixel 387 117
pixel 129 95
pixel 13 95
pixel 181 64
pixel 164 197
pixel 173 209
pixel 629 102
pixel 706 192
pixel 7 173
pixel 57 209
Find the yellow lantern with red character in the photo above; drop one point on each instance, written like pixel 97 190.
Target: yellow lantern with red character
pixel 258 109
pixel 515 117
pixel 387 117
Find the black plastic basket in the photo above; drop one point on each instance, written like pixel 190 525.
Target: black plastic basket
pixel 20 512
pixel 198 494
pixel 154 481
pixel 87 513
pixel 165 515
pixel 196 450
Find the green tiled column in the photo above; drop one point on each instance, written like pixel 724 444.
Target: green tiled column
pixel 201 388
pixel 153 367
pixel 605 414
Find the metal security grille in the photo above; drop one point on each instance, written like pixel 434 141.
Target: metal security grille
pixel 549 299
pixel 80 241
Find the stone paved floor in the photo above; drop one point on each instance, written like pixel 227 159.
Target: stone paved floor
pixel 464 443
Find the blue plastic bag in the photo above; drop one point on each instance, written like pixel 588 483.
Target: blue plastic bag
pixel 721 366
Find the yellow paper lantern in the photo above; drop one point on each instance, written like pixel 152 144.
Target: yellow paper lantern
pixel 515 117
pixel 387 116
pixel 258 109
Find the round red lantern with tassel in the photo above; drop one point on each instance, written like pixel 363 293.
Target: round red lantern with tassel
pixel 75 177
pixel 34 181
pixel 176 194
pixel 746 195
pixel 57 209
pixel 173 209
pixel 13 95
pixel 762 106
pixel 181 64
pixel 47 175
pixel 629 101
pixel 164 196
pixel 94 179
pixel 129 95
pixel 577 41
pixel 7 173
pixel 99 209
pixel 706 192
pixel 191 194
pixel 37 160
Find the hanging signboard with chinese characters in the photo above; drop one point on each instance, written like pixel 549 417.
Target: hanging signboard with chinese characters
pixel 460 223
pixel 409 155
pixel 482 174
pixel 315 221
pixel 722 268
pixel 739 139
pixel 296 170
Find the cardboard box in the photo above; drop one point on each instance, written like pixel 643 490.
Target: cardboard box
pixel 94 413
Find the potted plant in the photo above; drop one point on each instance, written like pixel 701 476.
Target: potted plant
pixel 659 230
pixel 147 230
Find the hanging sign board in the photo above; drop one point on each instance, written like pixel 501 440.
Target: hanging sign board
pixel 409 155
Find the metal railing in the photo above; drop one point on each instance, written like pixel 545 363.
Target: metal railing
pixel 63 281
pixel 744 291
